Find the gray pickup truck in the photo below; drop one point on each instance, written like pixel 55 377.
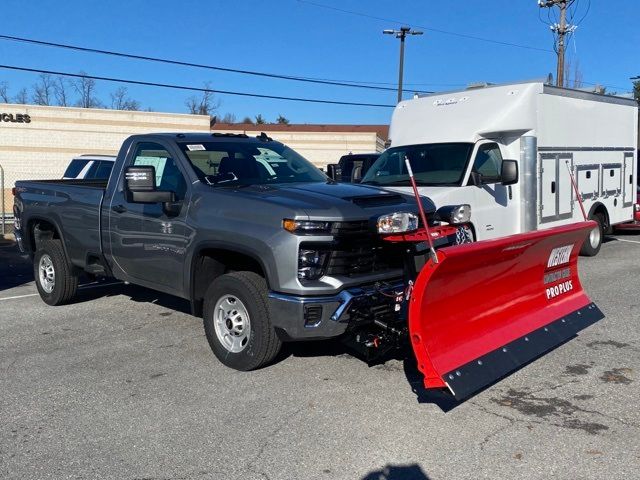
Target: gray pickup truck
pixel 264 245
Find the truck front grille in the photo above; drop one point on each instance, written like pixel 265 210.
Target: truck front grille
pixel 358 250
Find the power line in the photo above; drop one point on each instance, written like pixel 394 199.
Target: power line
pixel 435 30
pixel 193 89
pixel 169 61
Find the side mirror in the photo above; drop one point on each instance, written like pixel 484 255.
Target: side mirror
pixel 475 179
pixel 140 186
pixel 334 172
pixel 509 172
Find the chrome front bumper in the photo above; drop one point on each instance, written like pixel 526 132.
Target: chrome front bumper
pixel 302 318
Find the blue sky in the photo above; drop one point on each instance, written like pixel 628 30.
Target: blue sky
pixel 298 38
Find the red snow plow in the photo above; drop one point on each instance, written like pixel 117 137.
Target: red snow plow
pixel 487 308
pixel 479 311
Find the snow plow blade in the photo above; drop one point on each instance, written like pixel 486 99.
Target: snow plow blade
pixel 488 308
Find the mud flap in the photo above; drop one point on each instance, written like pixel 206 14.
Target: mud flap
pixel 488 308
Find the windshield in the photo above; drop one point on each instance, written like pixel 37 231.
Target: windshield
pixel 244 163
pixel 432 164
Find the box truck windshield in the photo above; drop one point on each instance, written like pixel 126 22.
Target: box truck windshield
pixel 432 163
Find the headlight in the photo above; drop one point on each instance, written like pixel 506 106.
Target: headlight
pixel 398 222
pixel 306 226
pixel 311 263
pixel 455 214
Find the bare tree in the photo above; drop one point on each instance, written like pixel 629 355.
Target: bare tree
pixel 228 118
pixel 260 120
pixel 4 92
pixel 22 96
pixel 573 77
pixel 282 120
pixel 120 100
pixel 86 89
pixel 247 120
pixel 43 90
pixel 203 105
pixel 60 85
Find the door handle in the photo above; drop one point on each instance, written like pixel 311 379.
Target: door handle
pixel 119 208
pixel 553 187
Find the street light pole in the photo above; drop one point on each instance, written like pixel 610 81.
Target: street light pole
pixel 401 34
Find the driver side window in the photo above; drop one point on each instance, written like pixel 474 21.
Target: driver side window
pixel 168 175
pixel 488 162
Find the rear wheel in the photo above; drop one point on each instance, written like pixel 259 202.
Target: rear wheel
pixel 56 282
pixel 237 321
pixel 592 244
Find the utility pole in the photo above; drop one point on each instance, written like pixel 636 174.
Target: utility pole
pixel 561 30
pixel 401 34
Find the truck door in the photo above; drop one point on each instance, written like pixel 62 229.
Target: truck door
pixel 146 243
pixel 494 212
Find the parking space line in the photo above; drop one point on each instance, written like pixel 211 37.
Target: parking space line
pixel 19 296
pixel 628 241
pixel 82 287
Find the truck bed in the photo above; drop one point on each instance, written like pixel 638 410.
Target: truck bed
pixel 73 206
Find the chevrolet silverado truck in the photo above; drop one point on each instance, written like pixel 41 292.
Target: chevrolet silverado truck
pixel 265 246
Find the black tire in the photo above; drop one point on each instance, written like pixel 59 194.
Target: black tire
pixel 65 281
pixel 589 249
pixel 262 344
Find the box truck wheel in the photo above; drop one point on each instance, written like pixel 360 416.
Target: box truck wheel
pixel 56 282
pixel 237 321
pixel 592 244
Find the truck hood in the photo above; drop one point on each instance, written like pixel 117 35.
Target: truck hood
pixel 439 196
pixel 334 201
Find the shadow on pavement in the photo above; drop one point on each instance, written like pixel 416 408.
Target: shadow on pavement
pixel 397 472
pixel 15 269
pixel 335 348
pixel 107 288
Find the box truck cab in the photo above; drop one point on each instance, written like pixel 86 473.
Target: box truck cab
pixel 509 151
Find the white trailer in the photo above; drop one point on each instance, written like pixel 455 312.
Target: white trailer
pixel 457 142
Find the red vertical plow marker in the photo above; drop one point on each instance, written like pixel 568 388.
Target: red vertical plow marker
pixel 488 308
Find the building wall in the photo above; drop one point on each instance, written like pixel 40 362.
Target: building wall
pixel 43 147
pixel 322 148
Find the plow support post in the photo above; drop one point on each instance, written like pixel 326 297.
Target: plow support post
pixel 490 307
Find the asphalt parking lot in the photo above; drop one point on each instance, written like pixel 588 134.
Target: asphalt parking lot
pixel 122 384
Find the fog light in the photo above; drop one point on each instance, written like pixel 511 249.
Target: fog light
pixel 311 263
pixel 398 222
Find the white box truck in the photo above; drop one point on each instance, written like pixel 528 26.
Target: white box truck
pixel 507 151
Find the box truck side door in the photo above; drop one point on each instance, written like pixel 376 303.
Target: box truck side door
pixel 494 210
pixel 556 191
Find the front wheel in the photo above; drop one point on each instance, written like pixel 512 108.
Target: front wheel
pixel 237 321
pixel 56 282
pixel 592 244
